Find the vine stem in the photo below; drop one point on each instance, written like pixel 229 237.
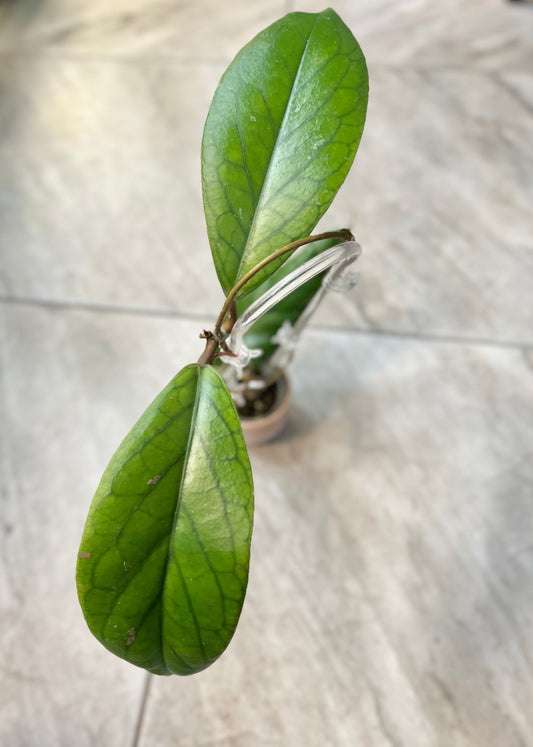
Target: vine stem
pixel 342 234
pixel 228 314
pixel 215 340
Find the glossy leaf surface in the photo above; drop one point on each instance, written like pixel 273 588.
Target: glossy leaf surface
pixel 163 563
pixel 280 137
pixel 290 308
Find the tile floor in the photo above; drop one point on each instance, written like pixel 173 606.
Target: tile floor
pixel 390 598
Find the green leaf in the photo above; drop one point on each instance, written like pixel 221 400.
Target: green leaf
pixel 280 137
pixel 290 309
pixel 163 562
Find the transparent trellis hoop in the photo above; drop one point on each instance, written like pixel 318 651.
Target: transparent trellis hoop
pixel 335 259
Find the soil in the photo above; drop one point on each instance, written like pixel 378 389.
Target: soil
pixel 261 404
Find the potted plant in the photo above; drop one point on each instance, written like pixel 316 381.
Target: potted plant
pixel 163 563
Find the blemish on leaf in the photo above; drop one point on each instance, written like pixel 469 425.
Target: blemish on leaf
pixel 240 567
pixel 131 636
pixel 154 480
pixel 84 555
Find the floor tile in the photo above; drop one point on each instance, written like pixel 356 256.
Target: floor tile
pixel 101 197
pixel 389 599
pixel 101 190
pixel 520 84
pixel 200 30
pixel 489 34
pixel 481 34
pixel 388 596
pixel 439 198
pixel 58 686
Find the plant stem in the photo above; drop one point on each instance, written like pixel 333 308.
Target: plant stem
pixel 214 341
pixel 228 314
pixel 210 351
pixel 342 234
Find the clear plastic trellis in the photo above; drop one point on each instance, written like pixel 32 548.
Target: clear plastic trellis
pixel 336 259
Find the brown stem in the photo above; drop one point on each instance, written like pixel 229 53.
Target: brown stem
pixel 228 314
pixel 342 234
pixel 213 341
pixel 211 348
pixel 231 318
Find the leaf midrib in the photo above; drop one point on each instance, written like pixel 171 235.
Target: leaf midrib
pixel 244 256
pixel 176 517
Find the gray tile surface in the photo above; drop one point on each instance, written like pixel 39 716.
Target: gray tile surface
pixel 482 34
pixel 101 199
pixel 58 687
pixel 101 196
pixel 201 30
pixel 390 598
pixel 391 555
pixel 441 197
pixel 488 34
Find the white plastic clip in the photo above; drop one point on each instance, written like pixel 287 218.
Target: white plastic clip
pixel 242 357
pixel 285 335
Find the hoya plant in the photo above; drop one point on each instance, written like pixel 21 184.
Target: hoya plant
pixel 163 563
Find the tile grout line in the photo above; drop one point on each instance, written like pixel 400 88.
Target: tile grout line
pixel 202 317
pixel 142 710
pixel 429 337
pixel 102 308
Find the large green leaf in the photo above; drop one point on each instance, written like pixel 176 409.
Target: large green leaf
pixel 163 562
pixel 280 137
pixel 290 308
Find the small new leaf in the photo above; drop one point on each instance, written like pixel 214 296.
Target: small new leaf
pixel 280 137
pixel 163 562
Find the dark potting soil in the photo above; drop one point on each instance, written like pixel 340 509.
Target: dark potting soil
pixel 261 405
